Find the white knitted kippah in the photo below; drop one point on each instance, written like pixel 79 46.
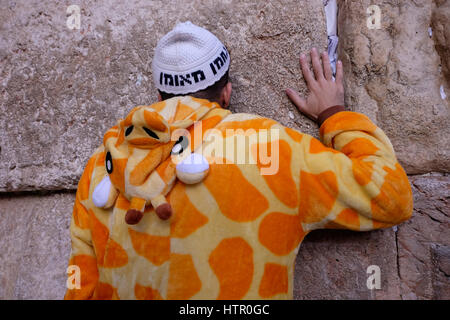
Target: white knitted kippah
pixel 188 59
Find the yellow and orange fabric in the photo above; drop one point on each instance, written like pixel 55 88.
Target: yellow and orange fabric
pixel 235 234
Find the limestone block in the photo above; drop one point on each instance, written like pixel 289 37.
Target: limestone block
pixel 440 27
pixel 424 241
pixel 393 74
pixel 34 245
pixel 60 89
pixel 333 264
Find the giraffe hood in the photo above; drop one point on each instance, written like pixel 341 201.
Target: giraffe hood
pixel 142 152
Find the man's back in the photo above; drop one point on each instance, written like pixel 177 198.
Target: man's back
pixel 235 234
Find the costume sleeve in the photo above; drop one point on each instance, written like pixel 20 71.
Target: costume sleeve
pixel 82 258
pixel 352 180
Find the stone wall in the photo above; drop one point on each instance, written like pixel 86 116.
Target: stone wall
pixel 60 89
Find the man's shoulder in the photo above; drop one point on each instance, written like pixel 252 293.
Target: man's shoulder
pixel 249 121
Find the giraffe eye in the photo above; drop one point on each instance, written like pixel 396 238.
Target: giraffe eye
pixel 108 163
pixel 181 145
pixel 128 131
pixel 151 133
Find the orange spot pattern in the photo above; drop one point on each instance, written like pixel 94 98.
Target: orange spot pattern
pixel 362 171
pixel 143 169
pixel 155 249
pixel 232 262
pixel 183 278
pixel 154 120
pixel 204 102
pixel 186 218
pixel 255 124
pixel 137 204
pixel 115 255
pixel 85 180
pixel 183 111
pixel 100 159
pixel 80 214
pixel 347 121
pixel 281 233
pixel 121 138
pixel 129 119
pixel 378 225
pixel 346 219
pixel 395 196
pixel 144 143
pixel 118 174
pixel 282 184
pixel 197 135
pixel 110 134
pixel 248 203
pixel 359 147
pixel 105 291
pixel 88 277
pixel 210 122
pixel 357 150
pixel 100 234
pixel 315 146
pixel 274 280
pixel 146 293
pixel 295 135
pixel 318 194
pixel 125 123
pixel 122 203
pixel 109 253
pixel 166 170
pixel 158 106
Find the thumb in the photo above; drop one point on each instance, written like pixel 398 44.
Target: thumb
pixel 300 103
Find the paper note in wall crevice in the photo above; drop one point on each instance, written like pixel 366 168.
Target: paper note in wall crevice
pixel 441 90
pixel 331 16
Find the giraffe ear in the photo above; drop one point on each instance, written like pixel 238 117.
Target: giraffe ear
pixel 104 195
pixel 193 169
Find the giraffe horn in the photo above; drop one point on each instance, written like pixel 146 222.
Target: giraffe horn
pixel 136 211
pixel 162 208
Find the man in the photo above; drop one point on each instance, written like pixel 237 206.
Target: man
pixel 232 232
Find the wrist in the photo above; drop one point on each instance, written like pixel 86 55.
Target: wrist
pixel 328 112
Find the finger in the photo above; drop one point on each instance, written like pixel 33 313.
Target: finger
pixel 306 71
pixel 300 103
pixel 339 73
pixel 317 66
pixel 326 66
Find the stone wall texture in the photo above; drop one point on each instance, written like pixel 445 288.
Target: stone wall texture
pixel 60 89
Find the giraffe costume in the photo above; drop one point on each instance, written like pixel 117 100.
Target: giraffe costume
pixel 227 231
